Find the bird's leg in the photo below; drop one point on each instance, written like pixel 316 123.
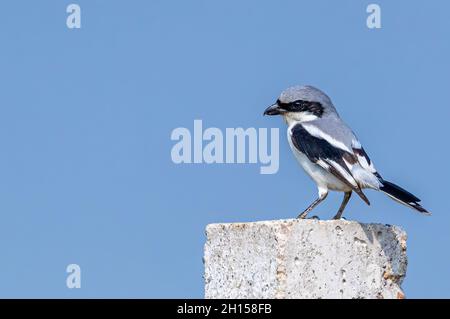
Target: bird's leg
pixel 322 196
pixel 347 196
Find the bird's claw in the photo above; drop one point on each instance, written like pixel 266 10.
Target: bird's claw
pixel 302 216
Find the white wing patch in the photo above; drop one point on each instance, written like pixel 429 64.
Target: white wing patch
pixel 344 173
pixel 315 131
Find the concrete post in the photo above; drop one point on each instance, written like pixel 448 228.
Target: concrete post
pixel 304 259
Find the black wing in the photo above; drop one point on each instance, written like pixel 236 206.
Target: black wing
pixel 331 158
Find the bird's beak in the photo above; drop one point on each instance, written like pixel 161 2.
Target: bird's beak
pixel 274 109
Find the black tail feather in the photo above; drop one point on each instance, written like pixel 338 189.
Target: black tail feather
pixel 404 197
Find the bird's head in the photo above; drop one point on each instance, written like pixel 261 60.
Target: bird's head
pixel 301 103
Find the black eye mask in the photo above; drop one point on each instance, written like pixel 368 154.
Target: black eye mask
pixel 302 106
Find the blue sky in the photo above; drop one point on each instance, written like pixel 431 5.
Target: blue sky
pixel 86 117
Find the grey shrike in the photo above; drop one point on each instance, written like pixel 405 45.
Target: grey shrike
pixel 329 151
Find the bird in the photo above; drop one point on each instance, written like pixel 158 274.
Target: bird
pixel 329 151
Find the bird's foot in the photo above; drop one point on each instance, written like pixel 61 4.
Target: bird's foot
pixel 302 215
pixel 339 218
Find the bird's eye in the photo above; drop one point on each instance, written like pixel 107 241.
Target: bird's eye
pixel 297 105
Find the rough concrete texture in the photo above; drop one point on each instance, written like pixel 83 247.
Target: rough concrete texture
pixel 304 259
